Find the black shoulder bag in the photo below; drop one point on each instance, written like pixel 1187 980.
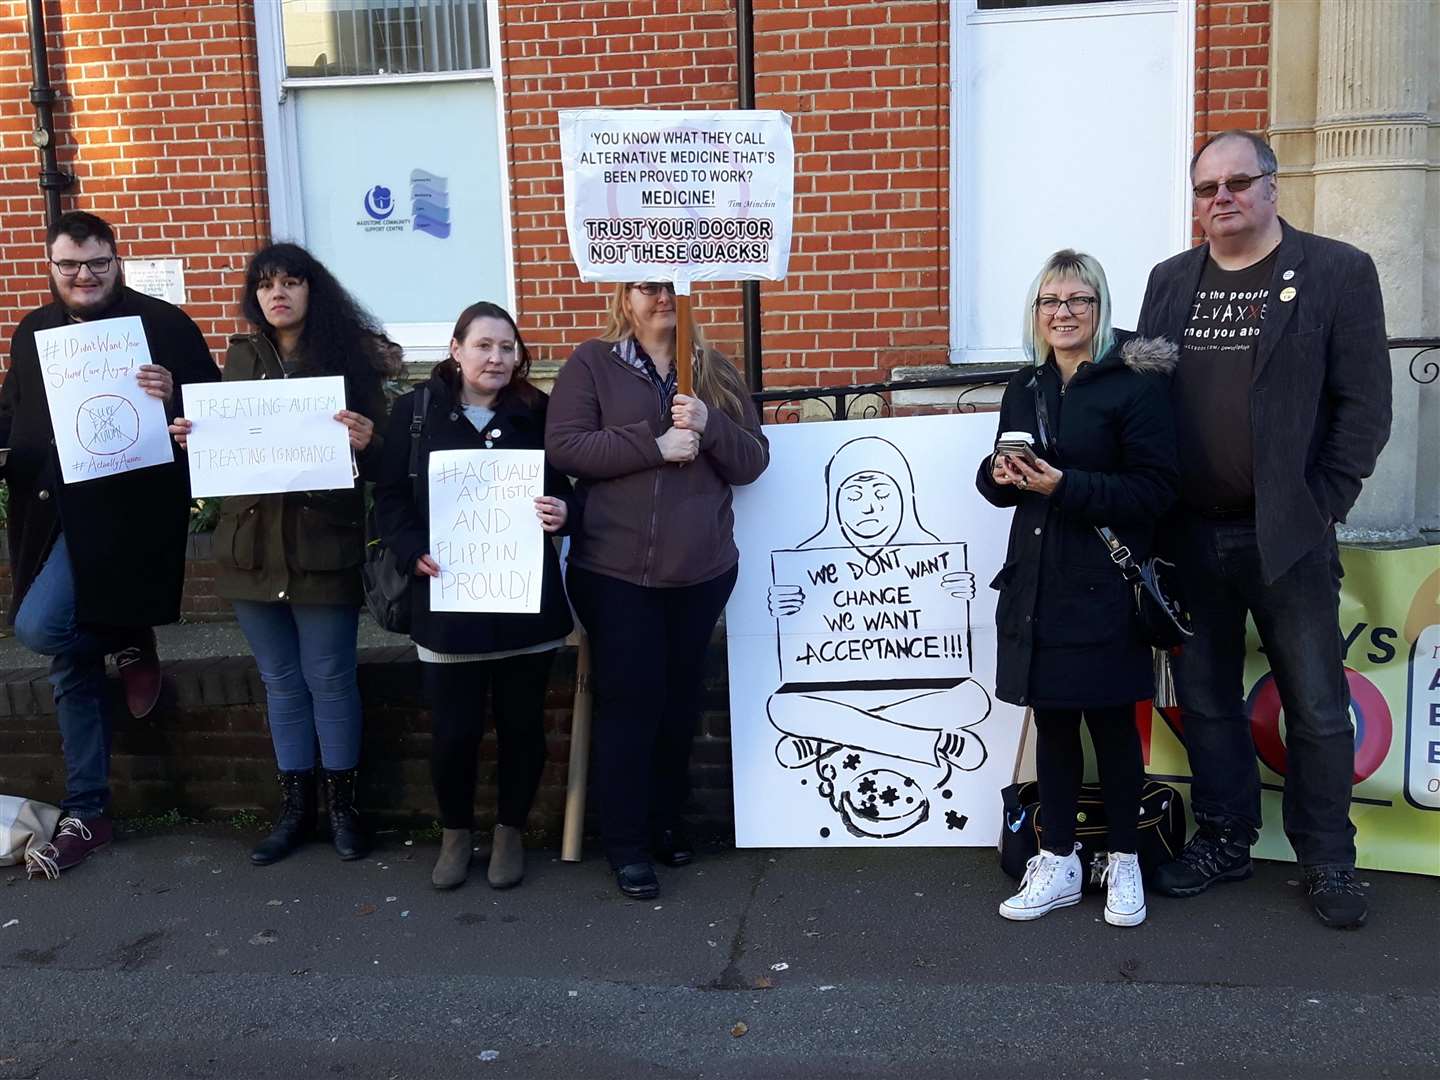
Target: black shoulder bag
pixel 387 583
pixel 1159 607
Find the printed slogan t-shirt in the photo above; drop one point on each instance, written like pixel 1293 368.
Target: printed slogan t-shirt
pixel 1212 386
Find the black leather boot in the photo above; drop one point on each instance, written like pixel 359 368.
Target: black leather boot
pixel 296 821
pixel 346 829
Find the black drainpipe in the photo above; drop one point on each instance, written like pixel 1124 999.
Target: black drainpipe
pixel 52 179
pixel 750 290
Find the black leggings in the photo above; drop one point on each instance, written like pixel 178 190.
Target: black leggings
pixel 648 647
pixel 458 695
pixel 1060 767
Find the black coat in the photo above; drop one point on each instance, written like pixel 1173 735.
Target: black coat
pixel 1320 391
pixel 1067 634
pixel 125 533
pixel 402 516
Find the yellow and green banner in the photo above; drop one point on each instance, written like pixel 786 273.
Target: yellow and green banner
pixel 1390 619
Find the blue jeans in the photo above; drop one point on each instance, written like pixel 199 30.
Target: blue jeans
pixel 306 657
pixel 46 624
pixel 1298 617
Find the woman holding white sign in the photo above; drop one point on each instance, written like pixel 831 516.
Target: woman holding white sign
pixel 654 561
pixel 478 398
pixel 289 562
pixel 1086 439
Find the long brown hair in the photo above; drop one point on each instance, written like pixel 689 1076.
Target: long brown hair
pixel 716 380
pixel 519 386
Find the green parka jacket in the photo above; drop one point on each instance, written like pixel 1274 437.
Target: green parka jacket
pixel 299 547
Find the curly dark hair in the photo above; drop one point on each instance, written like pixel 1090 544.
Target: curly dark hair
pixel 339 336
pixel 520 386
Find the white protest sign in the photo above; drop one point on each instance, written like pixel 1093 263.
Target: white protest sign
pixel 862 639
pixel 256 436
pixel 483 530
pixel 104 423
pixel 656 195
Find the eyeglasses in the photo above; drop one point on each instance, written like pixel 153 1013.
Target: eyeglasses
pixel 653 288
pixel 71 267
pixel 1078 306
pixel 1234 185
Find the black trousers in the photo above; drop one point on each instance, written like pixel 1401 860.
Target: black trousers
pixel 458 695
pixel 1060 768
pixel 647 647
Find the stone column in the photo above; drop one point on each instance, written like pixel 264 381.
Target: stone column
pixel 1371 153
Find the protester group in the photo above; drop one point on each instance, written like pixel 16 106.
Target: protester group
pixel 1229 435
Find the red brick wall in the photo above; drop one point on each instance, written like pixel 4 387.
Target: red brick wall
pixel 867 85
pixel 1232 67
pixel 159 120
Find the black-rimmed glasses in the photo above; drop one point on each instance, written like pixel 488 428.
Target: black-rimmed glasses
pixel 1234 185
pixel 71 267
pixel 1079 306
pixel 653 288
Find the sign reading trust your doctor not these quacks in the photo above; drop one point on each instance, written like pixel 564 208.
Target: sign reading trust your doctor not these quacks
pixel 653 195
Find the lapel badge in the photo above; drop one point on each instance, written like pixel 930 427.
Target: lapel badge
pixel 1287 294
pixel 1288 275
pixel 495 432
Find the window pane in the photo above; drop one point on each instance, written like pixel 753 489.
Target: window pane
pixel 383 37
pixel 997 5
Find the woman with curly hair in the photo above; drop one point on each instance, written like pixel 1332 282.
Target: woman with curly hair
pixel 289 562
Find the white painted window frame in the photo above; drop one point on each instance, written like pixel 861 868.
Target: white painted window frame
pixel 421 340
pixel 964 14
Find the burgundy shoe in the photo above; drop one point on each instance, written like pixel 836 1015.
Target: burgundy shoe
pixel 74 840
pixel 139 667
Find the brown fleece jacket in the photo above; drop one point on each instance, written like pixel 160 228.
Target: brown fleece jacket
pixel 645 521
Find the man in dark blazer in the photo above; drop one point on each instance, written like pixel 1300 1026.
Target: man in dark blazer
pixel 94 565
pixel 1282 404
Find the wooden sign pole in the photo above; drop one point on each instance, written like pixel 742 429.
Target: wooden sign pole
pixel 684 350
pixel 571 838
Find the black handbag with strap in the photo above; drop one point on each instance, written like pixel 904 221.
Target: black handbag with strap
pixel 1160 837
pixel 387 583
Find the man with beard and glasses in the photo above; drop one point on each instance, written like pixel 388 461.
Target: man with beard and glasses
pixel 94 565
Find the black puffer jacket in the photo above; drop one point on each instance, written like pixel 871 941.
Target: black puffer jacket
pixel 1067 637
pixel 402 514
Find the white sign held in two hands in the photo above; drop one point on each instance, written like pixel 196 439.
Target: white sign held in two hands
pixel 483 530
pixel 104 422
pixel 257 436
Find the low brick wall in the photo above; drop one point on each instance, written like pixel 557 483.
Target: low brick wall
pixel 206 752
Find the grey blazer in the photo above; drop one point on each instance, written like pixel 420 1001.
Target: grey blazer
pixel 1320 391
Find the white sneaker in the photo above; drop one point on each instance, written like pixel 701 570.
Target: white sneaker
pixel 1050 881
pixel 1124 891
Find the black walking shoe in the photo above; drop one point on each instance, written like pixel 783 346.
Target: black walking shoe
pixel 638 881
pixel 1213 855
pixel 346 829
pixel 1337 900
pixel 673 847
pixel 296 820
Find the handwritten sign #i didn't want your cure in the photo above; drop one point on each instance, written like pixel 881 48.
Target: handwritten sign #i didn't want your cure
pixel 484 534
pixel 104 422
pixel 258 436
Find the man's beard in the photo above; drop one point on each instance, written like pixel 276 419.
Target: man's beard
pixel 96 306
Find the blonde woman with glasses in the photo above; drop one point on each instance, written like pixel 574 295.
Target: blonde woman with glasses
pixel 1086 439
pixel 653 560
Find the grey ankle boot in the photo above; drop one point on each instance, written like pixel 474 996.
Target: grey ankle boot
pixel 507 858
pixel 453 865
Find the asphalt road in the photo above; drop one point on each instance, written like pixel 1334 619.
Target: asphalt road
pixel 169 956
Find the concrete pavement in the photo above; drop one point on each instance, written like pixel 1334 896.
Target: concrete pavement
pixel 168 955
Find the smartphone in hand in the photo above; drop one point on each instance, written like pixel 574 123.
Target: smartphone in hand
pixel 1018 444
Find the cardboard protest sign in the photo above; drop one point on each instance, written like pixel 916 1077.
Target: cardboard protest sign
pixel 862 652
pixel 483 530
pixel 256 436
pixel 678 196
pixel 104 423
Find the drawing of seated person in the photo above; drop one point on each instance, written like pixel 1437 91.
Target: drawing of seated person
pixel 923 728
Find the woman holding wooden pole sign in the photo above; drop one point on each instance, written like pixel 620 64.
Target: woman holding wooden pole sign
pixel 653 563
pixel 477 398
pixel 289 562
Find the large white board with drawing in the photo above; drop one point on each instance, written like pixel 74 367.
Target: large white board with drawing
pixel 862 639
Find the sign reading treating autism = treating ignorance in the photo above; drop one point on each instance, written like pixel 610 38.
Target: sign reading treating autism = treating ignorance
pixel 678 196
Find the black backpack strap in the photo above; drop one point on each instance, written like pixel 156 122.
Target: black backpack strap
pixel 417 427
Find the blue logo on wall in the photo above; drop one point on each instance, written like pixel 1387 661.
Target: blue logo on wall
pixel 378 202
pixel 430 203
